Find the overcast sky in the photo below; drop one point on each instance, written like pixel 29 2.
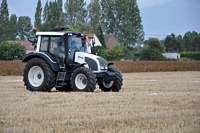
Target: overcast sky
pixel 159 17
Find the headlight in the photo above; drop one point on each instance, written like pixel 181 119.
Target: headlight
pixel 103 67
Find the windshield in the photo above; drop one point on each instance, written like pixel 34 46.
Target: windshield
pixel 75 43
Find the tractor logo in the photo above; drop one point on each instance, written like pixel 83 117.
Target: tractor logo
pixel 80 57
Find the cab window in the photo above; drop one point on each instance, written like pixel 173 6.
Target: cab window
pixel 44 44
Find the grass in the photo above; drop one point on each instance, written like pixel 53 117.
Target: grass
pixel 174 108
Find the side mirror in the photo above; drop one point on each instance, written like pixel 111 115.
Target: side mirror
pixel 93 41
pixel 83 41
pixel 33 40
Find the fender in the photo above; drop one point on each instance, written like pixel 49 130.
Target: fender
pixel 45 56
pixel 109 64
pixel 76 66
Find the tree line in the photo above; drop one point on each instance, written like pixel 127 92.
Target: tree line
pixel 189 42
pixel 116 17
pixel 102 17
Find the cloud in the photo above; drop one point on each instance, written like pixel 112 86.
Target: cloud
pixel 149 3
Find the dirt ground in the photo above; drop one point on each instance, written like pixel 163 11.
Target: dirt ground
pixel 167 102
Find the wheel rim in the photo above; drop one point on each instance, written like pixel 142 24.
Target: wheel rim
pixel 81 81
pixel 36 76
pixel 108 84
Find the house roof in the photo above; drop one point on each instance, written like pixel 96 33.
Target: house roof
pixel 28 45
pixel 111 41
pixel 107 38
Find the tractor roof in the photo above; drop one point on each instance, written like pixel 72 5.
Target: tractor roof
pixel 59 32
pixel 50 33
pixel 53 33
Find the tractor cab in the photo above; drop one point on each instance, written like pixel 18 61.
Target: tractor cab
pixel 59 44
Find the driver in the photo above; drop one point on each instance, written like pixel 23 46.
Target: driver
pixel 59 52
pixel 73 45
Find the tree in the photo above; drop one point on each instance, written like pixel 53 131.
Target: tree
pixel 153 51
pixel 94 15
pixel 83 27
pixel 172 43
pixel 10 51
pixel 101 36
pixel 38 15
pixel 122 18
pixel 75 12
pixel 46 17
pixel 4 22
pixel 61 15
pixel 196 43
pixel 24 27
pixel 188 40
pixel 13 27
pixel 52 15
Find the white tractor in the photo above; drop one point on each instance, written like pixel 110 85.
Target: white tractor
pixel 75 71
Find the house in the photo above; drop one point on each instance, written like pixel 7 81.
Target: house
pixel 28 45
pixel 171 55
pixel 97 42
pixel 111 41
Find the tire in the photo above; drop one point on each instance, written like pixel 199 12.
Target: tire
pixel 38 75
pixel 115 85
pixel 83 80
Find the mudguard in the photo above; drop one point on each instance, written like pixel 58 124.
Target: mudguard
pixel 45 56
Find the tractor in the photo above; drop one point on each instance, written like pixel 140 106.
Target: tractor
pixel 76 71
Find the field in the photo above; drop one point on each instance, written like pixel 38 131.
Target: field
pixel 15 68
pixel 166 102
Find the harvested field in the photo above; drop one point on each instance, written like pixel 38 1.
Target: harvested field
pixel 167 102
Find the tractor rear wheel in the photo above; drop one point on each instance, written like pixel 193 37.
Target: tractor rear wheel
pixel 115 85
pixel 38 75
pixel 83 80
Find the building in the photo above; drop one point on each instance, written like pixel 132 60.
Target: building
pixel 28 45
pixel 111 41
pixel 171 55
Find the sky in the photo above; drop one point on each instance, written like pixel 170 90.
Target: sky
pixel 159 17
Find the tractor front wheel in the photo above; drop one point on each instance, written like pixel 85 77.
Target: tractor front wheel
pixel 115 85
pixel 83 80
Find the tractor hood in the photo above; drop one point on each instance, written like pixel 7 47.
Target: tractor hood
pixel 94 62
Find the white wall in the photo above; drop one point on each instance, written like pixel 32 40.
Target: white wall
pixel 171 55
pixel 97 42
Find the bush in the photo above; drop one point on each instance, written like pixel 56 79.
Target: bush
pixel 98 48
pixel 153 51
pixel 11 51
pixel 115 53
pixel 191 55
pixel 118 53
